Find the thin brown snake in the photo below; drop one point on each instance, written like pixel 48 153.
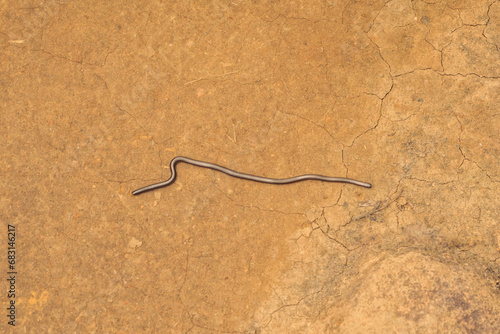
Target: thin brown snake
pixel 244 176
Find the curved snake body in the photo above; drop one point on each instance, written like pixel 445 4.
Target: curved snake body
pixel 245 176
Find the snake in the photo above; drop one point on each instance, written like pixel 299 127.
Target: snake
pixel 244 176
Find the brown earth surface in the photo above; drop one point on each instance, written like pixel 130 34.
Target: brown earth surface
pixel 98 97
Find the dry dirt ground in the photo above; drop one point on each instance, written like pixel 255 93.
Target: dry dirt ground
pixel 97 97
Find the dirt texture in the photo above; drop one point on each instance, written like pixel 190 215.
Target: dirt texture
pixel 98 96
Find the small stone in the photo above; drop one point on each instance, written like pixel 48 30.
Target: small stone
pixel 134 243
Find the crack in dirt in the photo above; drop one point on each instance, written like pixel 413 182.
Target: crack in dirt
pixel 464 157
pixel 291 305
